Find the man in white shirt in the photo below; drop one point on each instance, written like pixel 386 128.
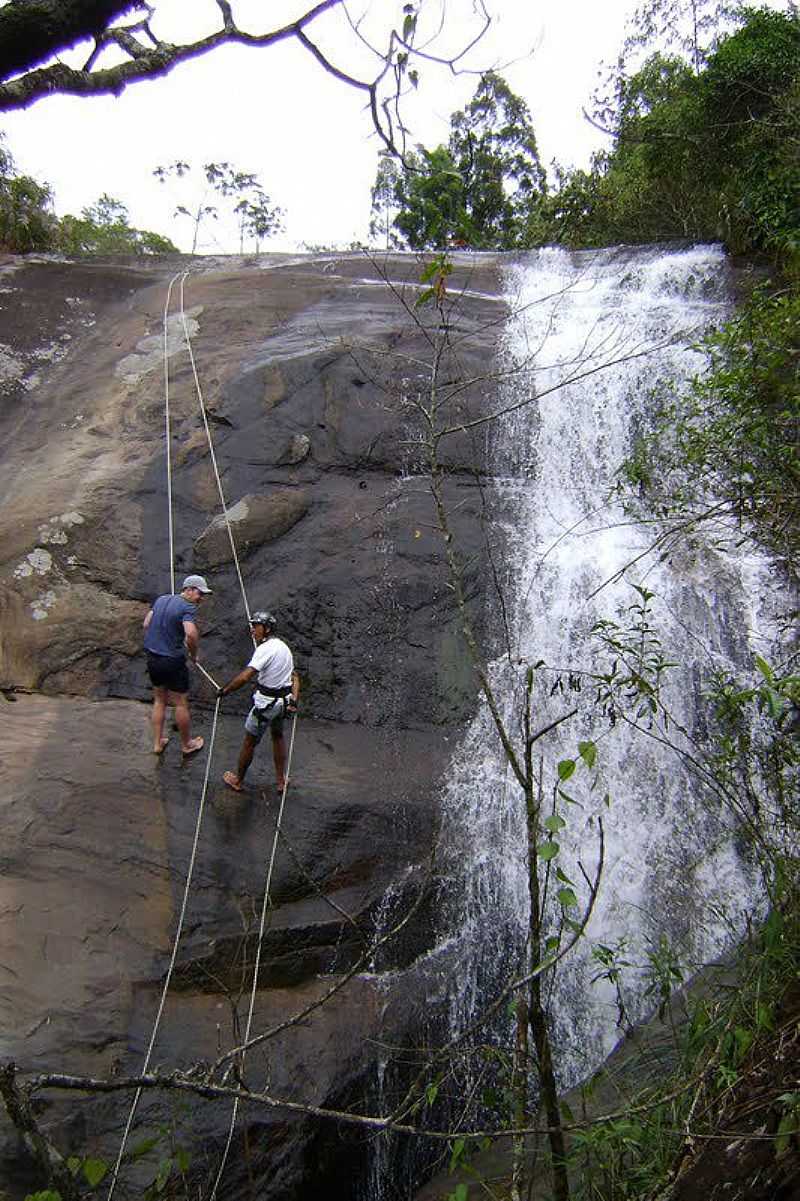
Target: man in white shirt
pixel 275 697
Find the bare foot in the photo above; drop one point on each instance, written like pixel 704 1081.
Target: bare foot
pixel 159 748
pixel 192 747
pixel 232 781
pixel 280 785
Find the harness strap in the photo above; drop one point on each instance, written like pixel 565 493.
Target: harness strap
pixel 274 693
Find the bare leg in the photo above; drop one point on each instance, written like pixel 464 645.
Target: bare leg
pixel 160 696
pixel 183 720
pixel 279 759
pixel 249 745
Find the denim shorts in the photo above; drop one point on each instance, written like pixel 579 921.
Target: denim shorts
pixel 271 715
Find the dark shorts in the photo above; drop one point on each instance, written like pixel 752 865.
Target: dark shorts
pixel 166 672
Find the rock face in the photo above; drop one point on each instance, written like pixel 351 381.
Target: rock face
pixel 253 521
pixel 309 369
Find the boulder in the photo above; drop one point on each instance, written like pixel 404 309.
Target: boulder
pixel 254 521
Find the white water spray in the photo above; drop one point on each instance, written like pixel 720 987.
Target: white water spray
pixel 609 322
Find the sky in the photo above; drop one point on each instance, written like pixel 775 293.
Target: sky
pixel 277 113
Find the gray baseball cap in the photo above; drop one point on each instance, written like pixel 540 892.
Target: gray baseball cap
pixel 196 581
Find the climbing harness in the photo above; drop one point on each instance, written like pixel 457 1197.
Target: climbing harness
pixel 182 276
pixel 274 693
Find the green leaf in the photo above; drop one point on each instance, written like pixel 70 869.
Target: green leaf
pixel 146 1145
pixel 94 1170
pixel 548 850
pixel 588 752
pixel 562 876
pixel 787 1126
pixel 461 1192
pixel 182 1160
pixel 554 823
pixel 743 1038
pixel 565 768
pixel 566 797
pixel 455 1155
pixel 552 943
pixel 424 297
pixel 74 1164
pixel 764 1020
pixel 765 669
pixel 164 1171
pixel 431 1092
pixel 567 898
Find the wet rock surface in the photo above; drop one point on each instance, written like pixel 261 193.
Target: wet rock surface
pixel 307 367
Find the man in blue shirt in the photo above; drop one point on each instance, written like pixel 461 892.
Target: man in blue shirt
pixel 169 632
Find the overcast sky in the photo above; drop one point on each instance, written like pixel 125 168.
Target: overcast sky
pixel 275 112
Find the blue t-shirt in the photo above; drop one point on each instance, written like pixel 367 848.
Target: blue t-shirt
pixel 165 633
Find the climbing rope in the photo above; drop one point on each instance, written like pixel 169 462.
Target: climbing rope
pixel 178 932
pixel 168 437
pixel 209 756
pixel 265 904
pixel 201 402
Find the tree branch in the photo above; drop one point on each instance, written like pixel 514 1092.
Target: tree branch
pixel 34 30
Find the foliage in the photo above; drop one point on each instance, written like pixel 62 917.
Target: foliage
pixel 430 200
pixel 27 222
pixel 688 30
pixel 104 228
pixel 632 682
pixel 384 203
pixel 706 151
pixel 731 444
pixel 482 190
pixel 251 207
pixel 724 1052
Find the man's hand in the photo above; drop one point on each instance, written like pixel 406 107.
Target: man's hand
pixel 291 706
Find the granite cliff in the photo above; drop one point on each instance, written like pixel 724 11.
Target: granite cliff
pixel 300 362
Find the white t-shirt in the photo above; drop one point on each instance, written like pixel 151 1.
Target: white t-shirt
pixel 273 661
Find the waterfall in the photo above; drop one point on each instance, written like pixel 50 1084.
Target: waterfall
pixel 673 865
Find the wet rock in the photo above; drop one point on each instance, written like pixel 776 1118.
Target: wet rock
pixel 254 520
pixel 336 531
pixel 297 450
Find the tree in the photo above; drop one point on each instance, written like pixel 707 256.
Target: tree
pixel 430 199
pixel 27 220
pixel 104 228
pixel 710 154
pixel 254 212
pixel 684 29
pixel 384 202
pixel 33 33
pixel 493 146
pixel 484 189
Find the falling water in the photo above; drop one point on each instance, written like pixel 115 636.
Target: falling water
pixel 672 865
